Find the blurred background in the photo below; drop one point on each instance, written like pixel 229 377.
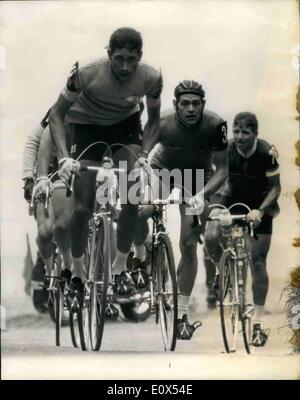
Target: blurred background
pixel 243 53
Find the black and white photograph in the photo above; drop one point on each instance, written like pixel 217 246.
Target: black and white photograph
pixel 150 191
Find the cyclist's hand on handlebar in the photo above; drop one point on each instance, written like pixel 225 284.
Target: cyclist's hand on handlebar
pixel 28 189
pixel 197 203
pixel 67 166
pixel 41 188
pixel 254 216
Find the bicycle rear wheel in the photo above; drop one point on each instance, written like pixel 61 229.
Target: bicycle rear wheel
pixel 99 271
pixel 167 292
pixel 229 307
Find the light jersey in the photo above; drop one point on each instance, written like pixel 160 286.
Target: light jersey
pixel 32 145
pixel 190 148
pixel 101 99
pixel 248 177
pixel 31 149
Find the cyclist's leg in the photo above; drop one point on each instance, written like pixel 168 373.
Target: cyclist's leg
pixel 45 234
pixel 260 284
pixel 212 242
pixel 188 264
pixel 63 207
pixel 186 272
pixel 145 212
pixel 212 239
pixel 84 195
pixel 260 280
pixel 209 265
pixel 189 235
pixel 129 212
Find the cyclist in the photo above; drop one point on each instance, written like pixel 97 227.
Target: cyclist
pixel 102 101
pixel 56 224
pixel 36 160
pixel 190 137
pixel 254 180
pixel 39 295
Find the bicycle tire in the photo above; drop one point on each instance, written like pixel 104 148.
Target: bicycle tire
pixel 228 298
pixel 167 292
pixel 76 328
pixel 59 306
pixel 56 305
pixel 99 271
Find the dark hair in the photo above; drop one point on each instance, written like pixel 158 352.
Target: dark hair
pixel 127 38
pixel 249 119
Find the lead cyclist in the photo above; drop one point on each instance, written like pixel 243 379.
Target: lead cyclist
pixel 102 102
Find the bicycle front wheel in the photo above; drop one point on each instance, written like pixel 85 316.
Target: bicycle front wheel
pixel 229 302
pixel 167 292
pixel 99 272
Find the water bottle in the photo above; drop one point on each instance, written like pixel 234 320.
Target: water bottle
pixel 225 222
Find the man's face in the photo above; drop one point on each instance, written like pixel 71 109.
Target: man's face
pixel 189 108
pixel 124 62
pixel 244 136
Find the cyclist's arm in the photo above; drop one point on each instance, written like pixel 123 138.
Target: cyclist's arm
pixel 219 177
pixel 219 145
pixel 60 109
pixel 57 126
pixel 31 152
pixel 273 193
pixel 45 153
pixel 151 131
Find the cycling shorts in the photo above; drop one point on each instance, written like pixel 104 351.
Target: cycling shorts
pixel 266 225
pixel 126 132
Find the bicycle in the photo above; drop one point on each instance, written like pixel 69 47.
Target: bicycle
pixel 162 295
pixel 87 318
pixel 232 284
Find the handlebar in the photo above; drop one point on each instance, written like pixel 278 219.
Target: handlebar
pixel 96 169
pixel 237 217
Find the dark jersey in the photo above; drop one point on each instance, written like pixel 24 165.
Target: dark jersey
pixel 190 148
pixel 248 177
